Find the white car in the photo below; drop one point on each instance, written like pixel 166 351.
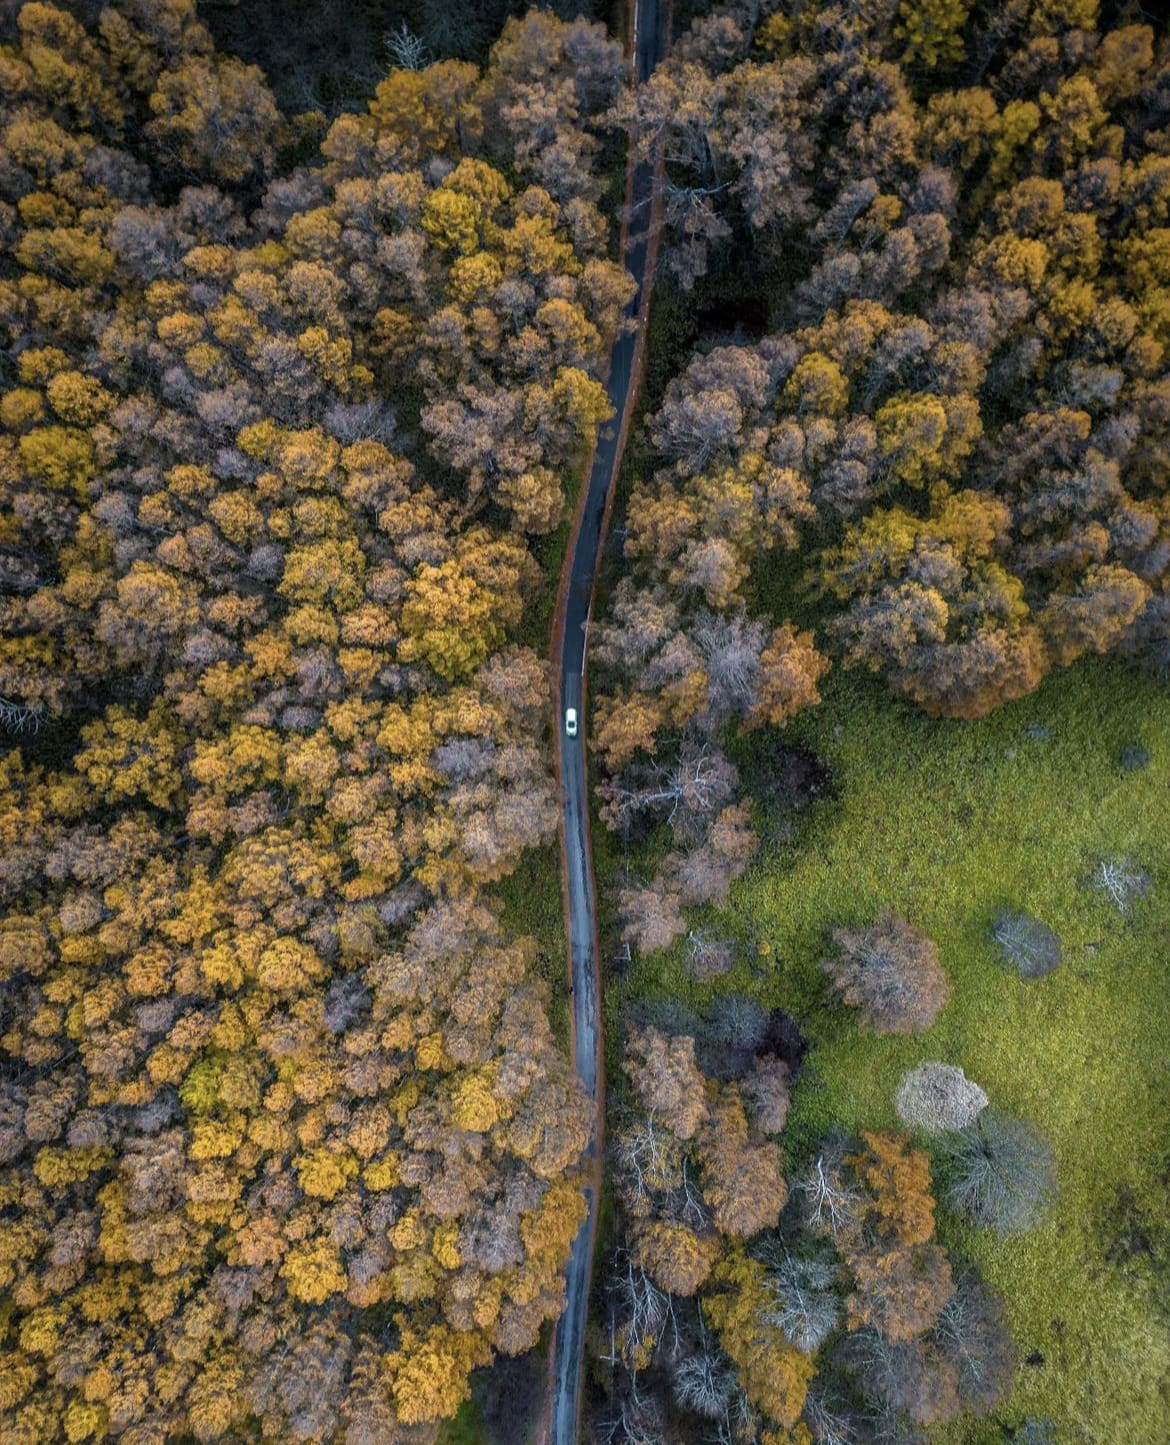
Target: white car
pixel 570 722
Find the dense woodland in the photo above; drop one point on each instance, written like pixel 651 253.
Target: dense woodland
pixel 294 385
pixel 288 1145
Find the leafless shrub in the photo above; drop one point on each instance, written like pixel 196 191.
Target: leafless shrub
pixel 1027 945
pixel 1122 882
pixel 405 48
pixel 708 957
pixel 938 1098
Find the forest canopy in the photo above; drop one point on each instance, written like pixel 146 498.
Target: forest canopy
pixel 291 407
pixel 287 1142
pixel 960 410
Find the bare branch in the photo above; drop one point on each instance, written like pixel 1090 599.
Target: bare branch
pixel 405 48
pixel 18 718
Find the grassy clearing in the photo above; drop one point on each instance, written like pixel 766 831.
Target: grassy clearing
pixel 946 822
pixel 467 1427
pixel 532 906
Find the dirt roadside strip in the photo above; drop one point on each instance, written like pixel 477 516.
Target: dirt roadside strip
pixel 649 36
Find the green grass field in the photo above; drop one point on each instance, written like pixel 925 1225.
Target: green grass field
pixel 946 822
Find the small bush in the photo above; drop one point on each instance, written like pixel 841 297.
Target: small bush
pixel 1035 1432
pixel 786 779
pixel 1026 944
pixel 1122 882
pixel 1000 1172
pixel 734 1030
pixel 939 1098
pixel 665 1013
pixel 785 1038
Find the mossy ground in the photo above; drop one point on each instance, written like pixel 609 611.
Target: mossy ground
pixel 945 822
pixel 467 1427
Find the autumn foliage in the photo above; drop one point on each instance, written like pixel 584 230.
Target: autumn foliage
pixel 287 1145
pixel 958 219
pixel 837 1272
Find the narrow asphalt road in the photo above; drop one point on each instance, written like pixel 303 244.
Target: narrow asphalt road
pixel 649 46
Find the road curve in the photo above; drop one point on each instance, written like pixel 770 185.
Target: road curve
pixel 649 40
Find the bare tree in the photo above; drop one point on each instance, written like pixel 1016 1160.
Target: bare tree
pixel 731 648
pixel 703 1382
pixel 885 1426
pixel 404 48
pixel 686 793
pixel 999 1171
pixel 687 1202
pixel 891 972
pixel 1122 882
pixel 829 1422
pixel 18 718
pixel 1027 945
pixel 903 1378
pixel 829 1201
pixel 765 1092
pixel 640 620
pixel 662 1069
pixel 972 1333
pixel 641 1313
pixel 726 378
pixel 646 1160
pixel 651 917
pixel 705 873
pixel 695 427
pixel 805 1306
pixel 638 1419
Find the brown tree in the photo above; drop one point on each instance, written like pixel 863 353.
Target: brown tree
pixel 891 973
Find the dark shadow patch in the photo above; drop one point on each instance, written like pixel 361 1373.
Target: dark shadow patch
pixel 735 320
pixel 786 1040
pixel 788 778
